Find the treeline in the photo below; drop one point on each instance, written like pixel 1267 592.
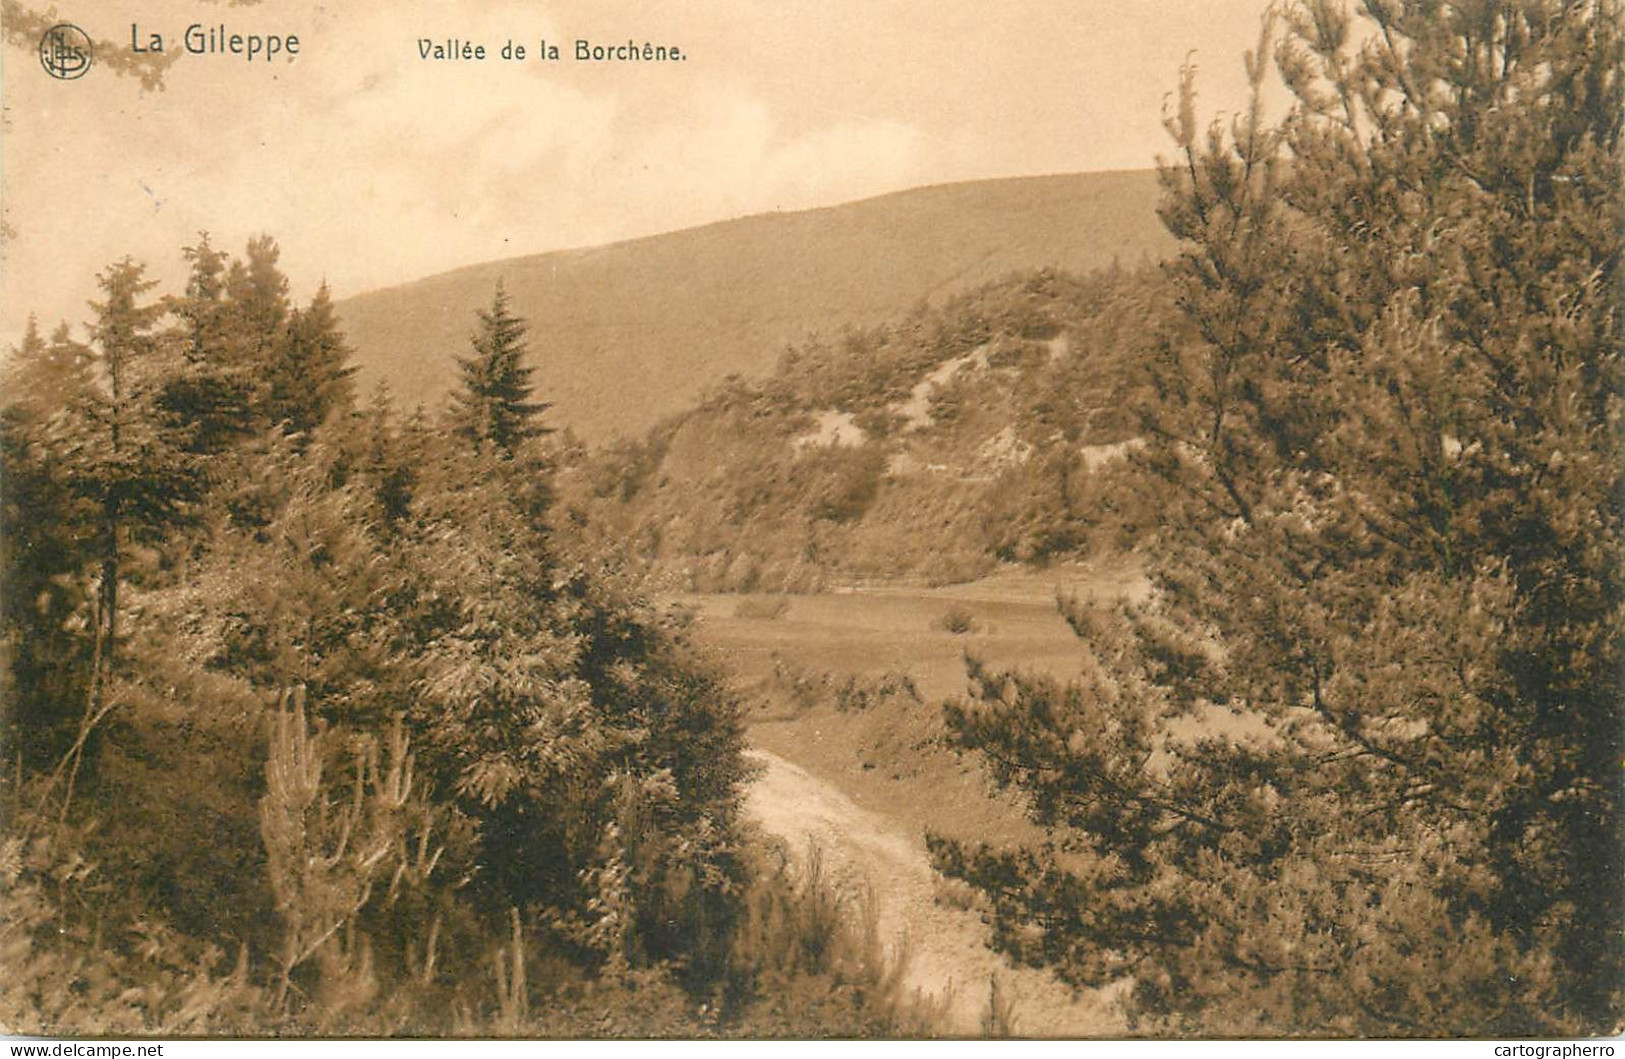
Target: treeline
pixel 985 430
pixel 314 725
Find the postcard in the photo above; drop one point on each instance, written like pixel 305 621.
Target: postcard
pixel 781 520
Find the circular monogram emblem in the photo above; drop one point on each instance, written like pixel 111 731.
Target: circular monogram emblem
pixel 65 51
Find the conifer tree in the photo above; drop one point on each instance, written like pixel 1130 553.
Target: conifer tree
pixel 310 377
pixel 255 333
pixel 492 406
pixel 42 529
pixel 1354 768
pixel 211 391
pixel 45 377
pixel 258 293
pixel 121 453
pixel 202 309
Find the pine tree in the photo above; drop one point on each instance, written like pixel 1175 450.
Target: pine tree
pixel 310 377
pixel 1354 767
pixel 492 407
pixel 124 458
pixel 43 526
pixel 211 391
pixel 43 378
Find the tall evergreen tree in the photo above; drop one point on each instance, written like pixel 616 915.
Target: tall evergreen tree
pixel 43 526
pixel 122 455
pixel 310 377
pixel 202 309
pixel 389 463
pixel 44 377
pixel 1389 579
pixel 211 391
pixel 255 337
pixel 492 406
pixel 258 293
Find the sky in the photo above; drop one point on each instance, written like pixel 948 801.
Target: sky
pixel 372 166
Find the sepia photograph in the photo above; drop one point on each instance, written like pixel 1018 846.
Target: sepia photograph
pixel 786 520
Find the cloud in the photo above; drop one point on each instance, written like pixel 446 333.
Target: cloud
pixel 372 166
pixel 730 156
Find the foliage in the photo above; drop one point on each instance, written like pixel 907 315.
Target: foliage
pixel 325 691
pixel 813 964
pixel 216 393
pixel 40 550
pixel 1354 768
pixel 310 378
pixel 492 405
pixel 22 27
pixel 933 447
pixel 324 859
pixel 856 694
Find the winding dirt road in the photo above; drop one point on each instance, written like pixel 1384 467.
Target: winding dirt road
pixel 948 958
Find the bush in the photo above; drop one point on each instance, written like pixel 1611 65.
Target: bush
pixel 856 694
pixel 812 963
pixel 379 937
pixel 843 483
pixel 354 742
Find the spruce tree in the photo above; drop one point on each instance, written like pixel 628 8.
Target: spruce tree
pixel 123 454
pixel 202 309
pixel 45 377
pixel 255 324
pixel 258 293
pixel 210 389
pixel 389 461
pixel 43 529
pixel 310 377
pixel 492 406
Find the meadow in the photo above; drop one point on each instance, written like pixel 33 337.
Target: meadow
pixel 867 631
pixel 844 691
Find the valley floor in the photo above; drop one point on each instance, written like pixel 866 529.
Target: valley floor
pixel 863 782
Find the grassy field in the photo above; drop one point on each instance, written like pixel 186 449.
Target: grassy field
pixel 846 692
pixel 869 631
pixel 849 684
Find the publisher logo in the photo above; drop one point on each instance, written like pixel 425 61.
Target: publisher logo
pixel 65 52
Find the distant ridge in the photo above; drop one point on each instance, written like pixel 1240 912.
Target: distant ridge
pixel 624 334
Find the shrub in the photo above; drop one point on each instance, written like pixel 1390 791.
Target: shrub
pixel 812 963
pixel 857 694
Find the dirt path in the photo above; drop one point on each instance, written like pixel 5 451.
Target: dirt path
pixel 947 952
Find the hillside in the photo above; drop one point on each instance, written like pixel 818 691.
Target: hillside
pixel 627 334
pixel 987 429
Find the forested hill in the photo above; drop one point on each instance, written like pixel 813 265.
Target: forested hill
pixel 627 334
pixel 990 428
